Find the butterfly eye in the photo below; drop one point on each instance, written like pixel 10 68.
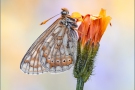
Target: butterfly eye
pixel 64 12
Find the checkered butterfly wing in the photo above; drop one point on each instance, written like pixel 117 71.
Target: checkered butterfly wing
pixel 54 50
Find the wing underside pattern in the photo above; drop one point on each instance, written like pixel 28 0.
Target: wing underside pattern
pixel 54 51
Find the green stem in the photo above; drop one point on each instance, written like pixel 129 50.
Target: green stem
pixel 80 83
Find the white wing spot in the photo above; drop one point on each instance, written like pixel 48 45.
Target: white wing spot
pixel 49 39
pixel 58 69
pixel 43 60
pixel 31 70
pixel 52 69
pixel 31 62
pixel 41 53
pixel 34 54
pixel 28 58
pixel 65 68
pixel 48 65
pixel 70 65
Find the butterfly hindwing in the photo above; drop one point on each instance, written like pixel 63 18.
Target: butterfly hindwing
pixel 57 54
pixel 54 51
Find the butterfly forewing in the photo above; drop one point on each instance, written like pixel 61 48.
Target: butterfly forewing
pixel 54 51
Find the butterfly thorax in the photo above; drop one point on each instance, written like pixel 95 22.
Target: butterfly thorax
pixel 69 22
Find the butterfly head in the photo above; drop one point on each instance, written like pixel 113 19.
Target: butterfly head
pixel 64 11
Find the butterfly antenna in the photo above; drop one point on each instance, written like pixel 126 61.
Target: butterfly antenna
pixel 44 22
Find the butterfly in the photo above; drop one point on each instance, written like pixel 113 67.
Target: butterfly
pixel 54 50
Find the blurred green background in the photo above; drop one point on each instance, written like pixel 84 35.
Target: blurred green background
pixel 114 66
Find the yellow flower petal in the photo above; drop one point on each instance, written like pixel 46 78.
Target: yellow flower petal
pixel 102 13
pixel 77 16
pixel 105 20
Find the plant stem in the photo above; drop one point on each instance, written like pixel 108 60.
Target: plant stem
pixel 80 83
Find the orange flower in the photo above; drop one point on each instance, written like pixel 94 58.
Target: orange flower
pixel 90 32
pixel 93 27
